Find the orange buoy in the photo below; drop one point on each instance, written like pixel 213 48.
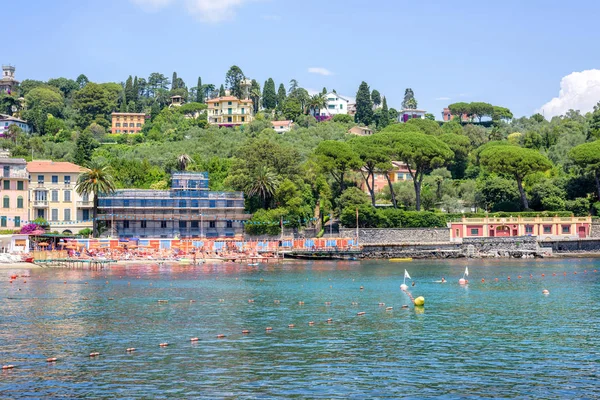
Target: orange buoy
pixel 574 272
pixel 508 278
pixel 518 277
pixel 220 336
pixel 164 344
pixel 268 329
pixel 543 275
pixel 585 271
pixel 595 271
pixel 8 366
pixel 496 279
pixel 564 273
pixel 194 339
pixel 245 331
pixel 482 280
pixel 301 303
pixel 530 276
pixel 291 326
pixel 51 359
pixel 554 274
pixel 65 282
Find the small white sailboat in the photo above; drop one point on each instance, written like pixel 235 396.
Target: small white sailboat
pixel 406 275
pixel 463 280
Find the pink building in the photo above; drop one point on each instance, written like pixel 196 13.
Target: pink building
pixel 541 227
pixel 399 173
pixel 14 192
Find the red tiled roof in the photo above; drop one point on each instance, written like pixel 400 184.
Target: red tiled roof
pixel 282 123
pixel 228 98
pixel 53 166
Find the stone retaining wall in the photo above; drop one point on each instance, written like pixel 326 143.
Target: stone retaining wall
pixel 573 246
pixel 595 230
pixel 398 235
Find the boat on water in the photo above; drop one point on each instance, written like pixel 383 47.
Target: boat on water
pixel 405 259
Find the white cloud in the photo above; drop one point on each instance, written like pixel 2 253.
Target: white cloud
pixel 578 91
pixel 320 71
pixel 443 98
pixel 205 10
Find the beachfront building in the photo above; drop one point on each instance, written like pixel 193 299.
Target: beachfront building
pixel 398 173
pixel 229 111
pixel 282 126
pixel 409 113
pixel 6 121
pixel 52 196
pixel 123 122
pixel 8 83
pixel 13 213
pixel 187 210
pixel 541 227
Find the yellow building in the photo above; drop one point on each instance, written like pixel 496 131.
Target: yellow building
pixel 127 122
pixel 229 111
pixel 52 196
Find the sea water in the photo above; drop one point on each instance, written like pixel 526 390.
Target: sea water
pixel 501 339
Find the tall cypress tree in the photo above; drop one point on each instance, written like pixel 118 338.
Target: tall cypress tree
pixel 222 91
pixel 199 91
pixel 324 91
pixel 281 95
pixel 128 96
pixel 376 97
pixel 136 89
pixel 364 105
pixel 384 120
pixel 269 95
pixel 174 81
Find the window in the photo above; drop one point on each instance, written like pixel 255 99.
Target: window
pixel 125 224
pixel 331 106
pixel 20 185
pixel 341 106
pixel 85 215
pixel 20 202
pixel 143 225
pixel 54 195
pixel 400 176
pixel 229 119
pixel 182 224
pixel 68 214
pixel 212 224
pixel 6 185
pixel 230 224
pixel 54 214
pixel 67 179
pixel 6 202
pixel 229 111
pixel 67 195
pixel 194 224
pixel 3 222
pixel 139 125
pixel 243 111
pixel 17 222
pixel 41 179
pixel 547 229
pixel 163 224
pixel 212 203
pixel 528 229
pixel 228 103
pixel 132 125
pixel 54 179
pixel 118 124
pixel 457 233
pixel 243 119
pixel 474 232
pixel 7 170
pixel 566 229
pixel 41 213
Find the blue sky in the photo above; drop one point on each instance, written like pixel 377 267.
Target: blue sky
pixel 511 53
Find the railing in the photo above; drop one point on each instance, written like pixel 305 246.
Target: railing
pixel 40 203
pixel 85 204
pixel 495 220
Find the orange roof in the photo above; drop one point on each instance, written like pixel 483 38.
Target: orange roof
pixel 53 166
pixel 281 123
pixel 126 113
pixel 228 98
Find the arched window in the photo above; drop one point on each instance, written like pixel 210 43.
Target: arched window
pixel 20 202
pixel 6 202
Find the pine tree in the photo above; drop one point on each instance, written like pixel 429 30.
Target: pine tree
pixel 376 97
pixel 199 91
pixel 269 95
pixel 84 147
pixel 129 95
pixel 281 95
pixel 324 91
pixel 174 81
pixel 154 110
pixel 409 100
pixel 222 91
pixel 364 105
pixel 384 120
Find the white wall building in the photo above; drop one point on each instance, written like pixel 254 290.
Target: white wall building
pixel 336 104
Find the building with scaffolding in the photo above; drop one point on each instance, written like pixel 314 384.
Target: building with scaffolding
pixel 187 210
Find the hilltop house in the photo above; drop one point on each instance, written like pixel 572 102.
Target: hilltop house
pixel 6 121
pixel 229 111
pixel 282 126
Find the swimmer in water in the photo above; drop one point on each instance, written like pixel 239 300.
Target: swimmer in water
pixel 413 283
pixel 443 280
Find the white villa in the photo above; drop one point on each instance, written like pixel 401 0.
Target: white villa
pixel 336 104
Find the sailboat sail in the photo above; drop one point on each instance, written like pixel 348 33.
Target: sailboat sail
pixel 466 271
pixel 406 275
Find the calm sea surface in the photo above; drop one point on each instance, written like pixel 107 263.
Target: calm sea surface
pixel 499 339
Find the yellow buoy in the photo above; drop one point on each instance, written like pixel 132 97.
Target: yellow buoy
pixel 420 301
pixel 403 259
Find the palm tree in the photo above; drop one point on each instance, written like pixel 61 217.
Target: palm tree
pixel 183 161
pixel 316 102
pixel 263 184
pixel 293 86
pixel 255 96
pixel 96 180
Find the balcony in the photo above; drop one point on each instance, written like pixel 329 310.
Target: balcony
pixel 85 204
pixel 40 203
